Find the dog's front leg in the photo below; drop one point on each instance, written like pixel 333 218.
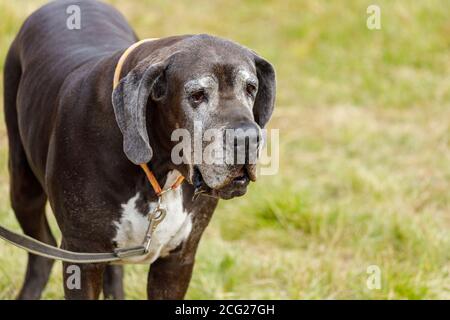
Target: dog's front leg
pixel 169 277
pixel 82 281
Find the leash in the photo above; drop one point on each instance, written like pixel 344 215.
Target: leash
pixel 155 217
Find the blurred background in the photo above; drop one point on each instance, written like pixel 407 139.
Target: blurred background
pixel 364 179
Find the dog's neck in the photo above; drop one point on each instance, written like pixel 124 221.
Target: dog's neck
pixel 160 164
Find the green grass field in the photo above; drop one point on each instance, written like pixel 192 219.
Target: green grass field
pixel 364 119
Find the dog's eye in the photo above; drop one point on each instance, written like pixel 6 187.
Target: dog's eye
pixel 198 96
pixel 251 89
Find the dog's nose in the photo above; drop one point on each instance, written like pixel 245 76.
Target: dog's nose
pixel 244 140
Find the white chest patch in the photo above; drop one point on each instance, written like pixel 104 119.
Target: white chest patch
pixel 168 235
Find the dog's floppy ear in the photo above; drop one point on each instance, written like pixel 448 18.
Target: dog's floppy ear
pixel 129 100
pixel 265 97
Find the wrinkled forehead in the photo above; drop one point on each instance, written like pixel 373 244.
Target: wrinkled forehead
pixel 217 78
pixel 220 64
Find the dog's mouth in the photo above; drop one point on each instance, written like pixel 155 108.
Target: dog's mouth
pixel 236 187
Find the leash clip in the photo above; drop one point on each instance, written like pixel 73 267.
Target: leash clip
pixel 155 218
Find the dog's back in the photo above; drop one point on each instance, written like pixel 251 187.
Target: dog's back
pixel 102 30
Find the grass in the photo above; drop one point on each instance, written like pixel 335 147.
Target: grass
pixel 364 119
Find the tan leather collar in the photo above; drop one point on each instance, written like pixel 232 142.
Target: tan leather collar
pixel 123 58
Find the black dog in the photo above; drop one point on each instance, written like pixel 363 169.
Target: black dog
pixel 76 142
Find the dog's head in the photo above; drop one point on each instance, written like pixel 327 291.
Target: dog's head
pixel 220 93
